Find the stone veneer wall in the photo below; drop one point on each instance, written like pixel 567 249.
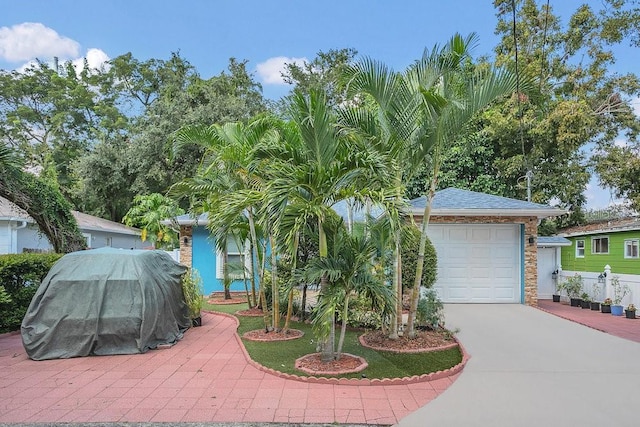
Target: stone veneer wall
pixel 186 253
pixel 530 250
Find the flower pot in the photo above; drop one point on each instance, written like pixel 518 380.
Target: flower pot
pixel 556 298
pixel 585 304
pixel 630 314
pixel 617 310
pixel 595 306
pixel 575 302
pixel 605 308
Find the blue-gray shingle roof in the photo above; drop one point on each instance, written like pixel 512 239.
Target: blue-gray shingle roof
pixel 466 202
pixel 553 241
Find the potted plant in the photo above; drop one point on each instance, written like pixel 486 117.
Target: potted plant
pixel 630 311
pixel 192 290
pixel 595 291
pixel 619 292
pixel 585 300
pixel 559 290
pixel 605 307
pixel 573 286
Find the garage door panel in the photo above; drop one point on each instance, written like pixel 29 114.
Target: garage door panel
pixel 480 235
pixel 456 235
pixel 477 262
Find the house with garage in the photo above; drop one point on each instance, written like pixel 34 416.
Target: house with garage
pixel 19 232
pixel 486 247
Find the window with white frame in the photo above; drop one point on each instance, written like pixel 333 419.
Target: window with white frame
pixel 631 248
pixel 579 248
pixel 600 245
pixel 235 257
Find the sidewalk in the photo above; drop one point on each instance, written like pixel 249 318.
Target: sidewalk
pixel 619 326
pixel 204 378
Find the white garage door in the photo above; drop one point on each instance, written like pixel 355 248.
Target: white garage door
pixel 477 263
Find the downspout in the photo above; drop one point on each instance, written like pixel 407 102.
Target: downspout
pixel 13 248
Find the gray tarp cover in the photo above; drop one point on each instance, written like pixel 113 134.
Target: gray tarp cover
pixel 106 301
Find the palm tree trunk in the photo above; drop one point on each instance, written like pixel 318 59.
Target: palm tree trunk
pixel 395 323
pixel 326 347
pixel 396 320
pixel 343 329
pixel 275 292
pixel 423 240
pixel 294 262
pixel 254 252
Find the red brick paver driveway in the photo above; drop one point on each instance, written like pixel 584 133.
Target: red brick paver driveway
pixel 204 378
pixel 619 326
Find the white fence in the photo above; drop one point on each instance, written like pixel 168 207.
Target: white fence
pixel 598 291
pixel 175 254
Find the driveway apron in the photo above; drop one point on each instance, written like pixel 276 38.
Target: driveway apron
pixel 530 368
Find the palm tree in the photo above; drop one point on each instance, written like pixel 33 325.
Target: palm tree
pixel 226 179
pixel 386 117
pixel 311 171
pixel 348 269
pixel 449 97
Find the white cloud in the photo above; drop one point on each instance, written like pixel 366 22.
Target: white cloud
pixel 96 58
pixel 270 71
pixel 29 40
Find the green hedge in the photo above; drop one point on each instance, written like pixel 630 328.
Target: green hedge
pixel 20 276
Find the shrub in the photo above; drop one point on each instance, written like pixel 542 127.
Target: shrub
pixel 192 290
pixel 361 314
pixel 20 276
pixel 430 311
pixel 410 245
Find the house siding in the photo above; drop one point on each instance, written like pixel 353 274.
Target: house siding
pixel 199 252
pixel 596 262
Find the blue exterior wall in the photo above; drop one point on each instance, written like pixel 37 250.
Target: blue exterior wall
pixel 204 260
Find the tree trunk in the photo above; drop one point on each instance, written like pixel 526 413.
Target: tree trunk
pixel 343 330
pixel 275 291
pixel 326 347
pixel 423 241
pixel 396 319
pixel 294 262
pixel 254 252
pixel 304 303
pixel 46 206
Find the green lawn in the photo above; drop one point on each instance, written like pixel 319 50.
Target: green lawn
pixel 281 355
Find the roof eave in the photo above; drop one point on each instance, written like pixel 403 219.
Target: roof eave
pixel 105 230
pixel 600 231
pixel 539 213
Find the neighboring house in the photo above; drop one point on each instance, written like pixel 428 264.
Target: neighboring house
pixel 19 232
pixel 486 247
pixel 614 243
pixel 609 246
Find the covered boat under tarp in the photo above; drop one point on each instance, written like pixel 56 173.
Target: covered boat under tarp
pixel 106 301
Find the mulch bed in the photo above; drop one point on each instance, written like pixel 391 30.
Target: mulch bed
pixel 252 312
pixel 424 341
pixel 312 364
pixel 221 301
pixel 262 335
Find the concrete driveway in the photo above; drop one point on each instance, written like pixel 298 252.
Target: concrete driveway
pixel 530 368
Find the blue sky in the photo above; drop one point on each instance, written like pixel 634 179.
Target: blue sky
pixel 264 32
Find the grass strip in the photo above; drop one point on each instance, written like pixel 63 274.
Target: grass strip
pixel 281 355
